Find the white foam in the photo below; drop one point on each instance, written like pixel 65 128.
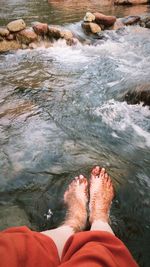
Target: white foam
pixel 67 54
pixel 122 117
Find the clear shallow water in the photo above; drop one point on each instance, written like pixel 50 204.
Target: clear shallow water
pixel 60 114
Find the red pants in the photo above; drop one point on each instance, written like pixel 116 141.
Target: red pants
pixel 21 247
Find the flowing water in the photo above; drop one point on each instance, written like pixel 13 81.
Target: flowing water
pixel 61 113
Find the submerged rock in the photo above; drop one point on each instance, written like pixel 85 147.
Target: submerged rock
pixel 16 25
pixel 138 95
pixel 27 36
pixel 40 28
pixel 89 17
pixel 13 216
pixel 4 32
pixel 90 27
pixel 107 21
pixel 130 20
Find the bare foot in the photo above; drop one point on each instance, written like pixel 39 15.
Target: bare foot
pixel 76 198
pixel 101 195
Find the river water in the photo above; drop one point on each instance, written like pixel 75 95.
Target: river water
pixel 61 113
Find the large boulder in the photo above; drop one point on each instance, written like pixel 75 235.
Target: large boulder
pixel 4 32
pixel 139 94
pixel 130 20
pixel 89 17
pixel 102 19
pixel 90 27
pixel 16 25
pixel 40 28
pixel 9 45
pixel 130 2
pixel 27 36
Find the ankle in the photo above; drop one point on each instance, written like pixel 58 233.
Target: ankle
pixel 104 217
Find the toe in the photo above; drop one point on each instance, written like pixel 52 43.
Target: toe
pixel 106 178
pixel 96 171
pixel 102 173
pixel 109 183
pixel 82 179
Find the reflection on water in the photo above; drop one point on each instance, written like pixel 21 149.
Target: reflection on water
pixel 61 113
pixel 58 12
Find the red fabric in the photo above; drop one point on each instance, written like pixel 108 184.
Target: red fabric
pixel 21 247
pixel 96 248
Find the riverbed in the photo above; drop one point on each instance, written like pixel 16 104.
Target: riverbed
pixel 61 112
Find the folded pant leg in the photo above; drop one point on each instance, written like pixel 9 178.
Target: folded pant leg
pixel 21 247
pixel 96 248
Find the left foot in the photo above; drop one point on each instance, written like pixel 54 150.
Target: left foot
pixel 76 198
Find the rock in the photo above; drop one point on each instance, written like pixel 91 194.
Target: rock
pixel 139 94
pixel 148 25
pixel 24 46
pixel 9 45
pixel 16 25
pixel 10 37
pixel 90 27
pixel 4 32
pixel 13 216
pixel 89 17
pixel 130 2
pixel 27 36
pixel 32 46
pixel 107 21
pixel 145 21
pixel 54 32
pixel 117 25
pixel 66 34
pixel 130 20
pixel 40 28
pixel 71 41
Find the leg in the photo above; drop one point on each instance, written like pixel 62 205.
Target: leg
pixel 98 247
pixel 76 200
pixel 101 195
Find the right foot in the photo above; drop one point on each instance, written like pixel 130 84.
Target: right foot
pixel 101 195
pixel 76 198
